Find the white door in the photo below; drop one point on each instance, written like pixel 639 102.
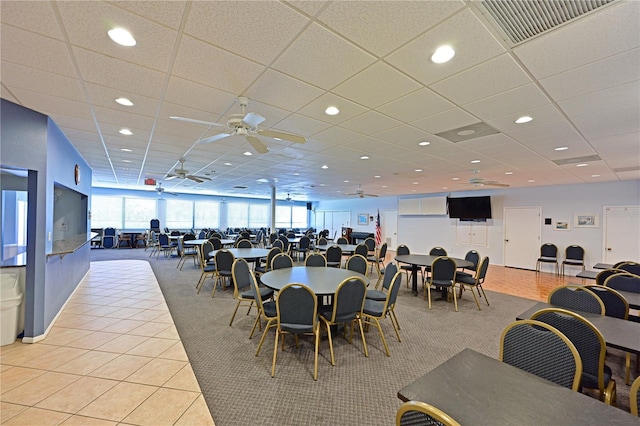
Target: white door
pixel 621 234
pixel 522 231
pixel 389 228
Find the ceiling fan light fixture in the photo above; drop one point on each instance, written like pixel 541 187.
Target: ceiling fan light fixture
pixel 122 37
pixel 332 110
pixel 443 54
pixel 523 119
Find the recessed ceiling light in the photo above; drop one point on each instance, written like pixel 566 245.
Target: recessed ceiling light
pixel 322 184
pixel 581 165
pixel 227 164
pixel 523 119
pixel 424 143
pixel 125 149
pixel 247 153
pixel 345 181
pixel 364 157
pixel 444 187
pixel 594 176
pixel 384 186
pixel 332 111
pixel 562 148
pixel 531 180
pixel 122 37
pixel 296 174
pixel 416 183
pixel 126 132
pixel 455 178
pixel 377 176
pixel 467 132
pixel 324 166
pixel 443 54
pixel 262 180
pixel 417 170
pixel 508 173
pixel 278 139
pixel 124 101
pixel 126 161
pixel 475 161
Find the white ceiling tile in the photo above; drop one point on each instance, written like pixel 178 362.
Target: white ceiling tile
pixel 376 85
pixel 508 102
pixel 169 13
pixel 46 104
pixel 103 96
pixel 619 151
pixel 556 129
pixel 301 124
pixel 333 61
pixel 612 71
pixel 591 38
pixel 419 104
pixel 408 136
pixel 481 82
pixel 382 27
pixel 447 120
pixel 602 100
pixel 32 79
pixel 37 17
pixel 615 121
pixel 212 101
pixel 370 123
pixel 546 113
pixel 284 92
pixel 464 32
pixel 348 109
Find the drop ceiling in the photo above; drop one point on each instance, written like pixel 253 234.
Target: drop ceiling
pixel 578 80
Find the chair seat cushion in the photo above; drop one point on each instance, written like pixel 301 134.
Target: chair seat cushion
pixel 547 259
pixel 573 262
pixel 265 293
pixel 210 268
pixel 373 307
pixel 465 279
pixel 590 381
pixel 462 274
pixel 441 283
pixel 296 328
pixel 270 309
pixel 376 295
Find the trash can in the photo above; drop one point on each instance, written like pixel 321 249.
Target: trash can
pixel 10 300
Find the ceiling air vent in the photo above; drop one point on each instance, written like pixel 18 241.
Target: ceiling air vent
pixel 574 160
pixel 523 19
pixel 240 187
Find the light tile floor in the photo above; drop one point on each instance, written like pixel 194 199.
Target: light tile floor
pixel 113 357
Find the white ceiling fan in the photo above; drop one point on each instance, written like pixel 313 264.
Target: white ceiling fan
pixel 245 124
pixel 478 181
pixel 360 193
pixel 161 191
pixel 182 173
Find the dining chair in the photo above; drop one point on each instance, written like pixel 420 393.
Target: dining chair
pixel 548 254
pixel 362 250
pixel 576 297
pixel 184 254
pixel 403 250
pixel 474 257
pixel 207 265
pixel 260 268
pixel 387 278
pixel 371 245
pixel 297 314
pixel 631 267
pixel 217 243
pixel 286 246
pixel 590 345
pixel 541 349
pixel 272 237
pixel 418 413
pixel 357 263
pixel 266 311
pixel 322 241
pixel 164 246
pixel 606 273
pixel 280 261
pixel 243 243
pixel 378 258
pixel 334 256
pixel 374 311
pixel 443 276
pixel 573 256
pixel 242 277
pixel 475 282
pixel 624 281
pixel 279 244
pixel 302 247
pixel 342 240
pixel 224 261
pixel 634 397
pixel 346 309
pixel 154 244
pixel 109 238
pixel 315 259
pixel 435 251
pixel 126 239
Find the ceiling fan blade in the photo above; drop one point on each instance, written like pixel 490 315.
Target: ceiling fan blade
pixel 281 135
pixel 170 193
pixel 194 178
pixel 214 138
pixel 171 176
pixel 257 144
pixel 200 178
pixel 253 119
pixel 193 120
pixel 503 185
pixel 370 195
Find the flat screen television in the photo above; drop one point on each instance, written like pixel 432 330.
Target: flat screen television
pixel 469 208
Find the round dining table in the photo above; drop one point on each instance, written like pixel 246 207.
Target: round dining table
pixel 346 248
pixel 323 281
pixel 416 260
pixel 245 253
pixel 199 242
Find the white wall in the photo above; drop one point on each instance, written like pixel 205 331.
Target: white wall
pixel 559 203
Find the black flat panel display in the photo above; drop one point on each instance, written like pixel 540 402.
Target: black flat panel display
pixel 470 208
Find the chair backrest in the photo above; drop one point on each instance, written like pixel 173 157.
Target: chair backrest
pixel 617 264
pixel 154 225
pixel 270 255
pixel 481 271
pixel 349 299
pixel 606 273
pixel 549 250
pixel 304 243
pixel 574 252
pixel 624 281
pixel 110 232
pixel 189 237
pixel 246 235
pixel 224 261
pixel 272 237
pixel 382 253
pixel 585 337
pixel 241 275
pixel 389 273
pixel 297 308
pixel 615 304
pixel 342 240
pixel 357 263
pixel 202 235
pixel 473 257
pixel 175 233
pixel 392 294
pixel 163 239
pixel 278 243
pixel 631 267
pixel 634 396
pixel 285 242
pixel 443 268
pixel 322 241
pixel 291 234
pixel 180 247
pixel 576 297
pixel 418 413
pixel 362 250
pixel 281 260
pixel 243 243
pixel 205 249
pixel 217 244
pixel 370 243
pixel 438 251
pixel 334 254
pixel 540 349
pixel 402 250
pixel 216 235
pixel 315 259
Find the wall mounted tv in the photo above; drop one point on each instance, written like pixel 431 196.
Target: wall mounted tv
pixel 469 208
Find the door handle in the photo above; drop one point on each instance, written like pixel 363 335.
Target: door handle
pixel 608 248
pixel 506 241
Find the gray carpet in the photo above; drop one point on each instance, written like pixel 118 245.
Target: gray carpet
pixel 238 386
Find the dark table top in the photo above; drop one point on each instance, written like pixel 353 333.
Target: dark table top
pixel 475 389
pixel 603 266
pixel 321 280
pixel 427 260
pixel 618 333
pixel 590 275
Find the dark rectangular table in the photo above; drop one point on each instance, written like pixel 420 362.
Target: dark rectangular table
pixel 603 266
pixel 589 275
pixel 618 333
pixel 475 389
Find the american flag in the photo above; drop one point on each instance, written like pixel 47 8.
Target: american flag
pixel 378 230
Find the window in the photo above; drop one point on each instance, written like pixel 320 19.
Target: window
pixel 298 217
pixel 283 217
pixel 258 215
pixel 206 214
pixel 237 215
pixel 106 211
pixel 138 212
pixel 179 214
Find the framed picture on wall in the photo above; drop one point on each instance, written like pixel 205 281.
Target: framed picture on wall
pixel 586 220
pixel 561 226
pixel 363 219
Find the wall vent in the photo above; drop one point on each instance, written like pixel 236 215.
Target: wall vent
pixel 575 160
pixel 523 19
pixel 626 169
